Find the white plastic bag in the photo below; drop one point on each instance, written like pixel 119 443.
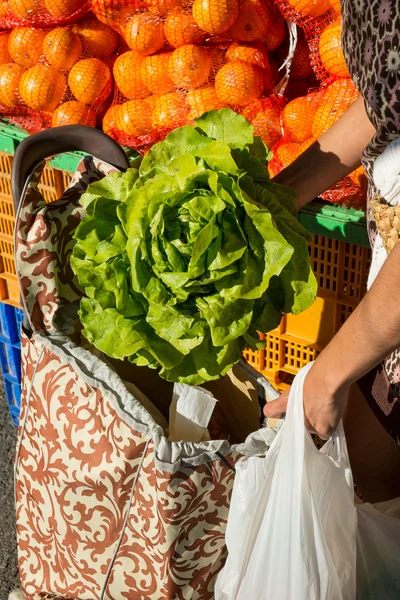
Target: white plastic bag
pixel 291 532
pixel 378 554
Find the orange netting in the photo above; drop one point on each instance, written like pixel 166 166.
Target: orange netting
pixel 321 23
pixel 41 13
pixel 57 76
pixel 185 59
pixel 313 17
pixel 304 120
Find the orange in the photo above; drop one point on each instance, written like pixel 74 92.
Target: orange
pixel 73 113
pixel 24 9
pixel 310 8
pixel 144 33
pixel 169 111
pixel 127 75
pixel 4 52
pixel 215 16
pixel 253 23
pixel 62 48
pixel 287 152
pixel 252 54
pixel 180 29
pixel 202 100
pixel 42 87
pixel 89 80
pixel 276 32
pixel 238 83
pixel 25 45
pixel 162 7
pixel 264 115
pixel 154 73
pixel 330 50
pixel 99 40
pixel 336 99
pixel 359 178
pixel 110 119
pixel 301 65
pixel 189 66
pixel 297 118
pixel 62 8
pixel 10 76
pixel 134 117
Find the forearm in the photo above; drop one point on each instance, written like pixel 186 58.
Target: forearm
pixel 370 334
pixel 336 154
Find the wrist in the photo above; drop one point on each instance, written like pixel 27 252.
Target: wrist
pixel 330 375
pixel 296 182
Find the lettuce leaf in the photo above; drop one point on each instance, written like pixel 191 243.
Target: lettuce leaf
pixel 186 257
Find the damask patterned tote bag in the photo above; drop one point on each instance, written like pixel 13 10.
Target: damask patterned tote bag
pixel 108 508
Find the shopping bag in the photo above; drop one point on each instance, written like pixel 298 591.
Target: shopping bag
pixel 291 532
pixel 378 554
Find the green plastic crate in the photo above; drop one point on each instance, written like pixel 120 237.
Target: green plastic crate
pixel 336 222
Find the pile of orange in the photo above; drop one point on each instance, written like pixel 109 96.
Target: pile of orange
pixel 64 70
pixel 187 58
pixel 305 119
pixel 170 61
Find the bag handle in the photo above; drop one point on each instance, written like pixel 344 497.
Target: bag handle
pixel 295 427
pixel 72 138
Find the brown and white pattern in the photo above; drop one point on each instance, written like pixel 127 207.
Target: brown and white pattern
pixel 100 516
pixel 96 517
pixel 43 243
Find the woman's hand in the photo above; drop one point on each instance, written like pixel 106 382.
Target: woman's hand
pixel 323 407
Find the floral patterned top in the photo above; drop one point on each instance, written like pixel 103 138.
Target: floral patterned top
pixel 371 44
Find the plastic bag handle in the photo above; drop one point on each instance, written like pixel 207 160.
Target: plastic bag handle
pixel 295 408
pixel 50 142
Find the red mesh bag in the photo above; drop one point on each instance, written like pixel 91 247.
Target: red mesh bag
pixel 312 16
pixel 321 23
pixel 57 76
pixel 304 120
pixel 184 59
pixel 41 13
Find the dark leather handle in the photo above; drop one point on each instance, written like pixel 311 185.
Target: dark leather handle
pixel 71 138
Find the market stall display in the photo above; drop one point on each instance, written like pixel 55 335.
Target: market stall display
pixel 163 75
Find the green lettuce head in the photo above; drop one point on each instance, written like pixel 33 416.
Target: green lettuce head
pixel 184 259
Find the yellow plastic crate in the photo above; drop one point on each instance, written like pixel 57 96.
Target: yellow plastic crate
pixel 52 184
pixel 341 269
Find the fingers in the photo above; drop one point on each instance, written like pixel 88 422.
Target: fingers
pixel 276 409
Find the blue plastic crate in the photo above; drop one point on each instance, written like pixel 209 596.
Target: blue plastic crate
pixel 19 315
pixel 10 323
pixel 10 360
pixel 13 394
pixel 10 356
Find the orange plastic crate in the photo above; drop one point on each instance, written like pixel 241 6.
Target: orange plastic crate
pixel 52 184
pixel 341 269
